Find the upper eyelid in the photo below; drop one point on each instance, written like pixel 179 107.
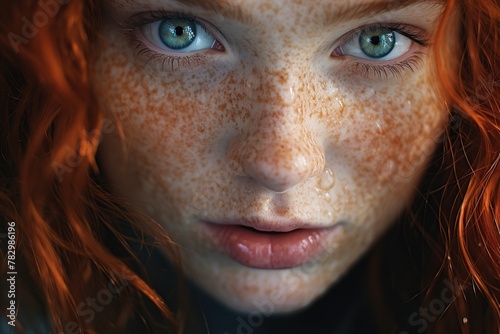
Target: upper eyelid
pixel 415 34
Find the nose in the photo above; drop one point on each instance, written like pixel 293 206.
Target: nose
pixel 278 149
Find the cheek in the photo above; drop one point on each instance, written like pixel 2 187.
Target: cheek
pixel 161 115
pixel 392 135
pixel 176 127
pixel 402 138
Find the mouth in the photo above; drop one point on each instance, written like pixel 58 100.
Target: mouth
pixel 263 245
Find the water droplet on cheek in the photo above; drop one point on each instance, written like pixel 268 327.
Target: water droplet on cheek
pixel 325 183
pixel 339 102
pixel 326 180
pixel 386 172
pixel 327 196
pixel 408 107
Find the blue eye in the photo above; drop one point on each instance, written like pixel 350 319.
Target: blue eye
pixel 178 34
pixel 377 43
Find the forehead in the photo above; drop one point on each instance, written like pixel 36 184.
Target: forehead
pixel 332 11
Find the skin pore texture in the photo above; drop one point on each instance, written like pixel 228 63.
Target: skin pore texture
pixel 275 122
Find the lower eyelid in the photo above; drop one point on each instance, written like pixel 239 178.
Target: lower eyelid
pixel 390 69
pixel 160 61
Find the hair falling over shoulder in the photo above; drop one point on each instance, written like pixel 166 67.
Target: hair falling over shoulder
pixel 470 221
pixel 51 125
pixel 457 210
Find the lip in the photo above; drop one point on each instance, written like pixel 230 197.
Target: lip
pixel 263 244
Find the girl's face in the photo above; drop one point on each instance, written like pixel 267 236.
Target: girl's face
pixel 274 140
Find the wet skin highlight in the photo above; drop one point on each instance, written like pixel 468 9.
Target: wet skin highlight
pixel 271 126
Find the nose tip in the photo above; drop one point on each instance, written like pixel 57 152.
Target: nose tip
pixel 281 172
pixel 279 165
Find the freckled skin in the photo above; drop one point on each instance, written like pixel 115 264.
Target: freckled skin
pixel 271 127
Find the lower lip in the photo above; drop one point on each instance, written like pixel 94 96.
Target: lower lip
pixel 266 250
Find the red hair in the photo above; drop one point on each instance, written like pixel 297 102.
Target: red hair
pixel 472 236
pixel 61 213
pixel 51 127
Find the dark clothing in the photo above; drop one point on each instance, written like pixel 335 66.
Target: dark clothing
pixel 342 310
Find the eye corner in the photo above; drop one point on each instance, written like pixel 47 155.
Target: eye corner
pixel 337 52
pixel 218 46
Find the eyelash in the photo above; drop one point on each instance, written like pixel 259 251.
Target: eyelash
pixel 167 62
pixel 365 68
pixel 383 71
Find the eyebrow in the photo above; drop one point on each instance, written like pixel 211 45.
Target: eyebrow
pixel 229 9
pixel 226 8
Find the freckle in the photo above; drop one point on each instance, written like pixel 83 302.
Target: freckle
pixel 282 210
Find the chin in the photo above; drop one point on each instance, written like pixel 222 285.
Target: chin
pixel 280 292
pixel 266 305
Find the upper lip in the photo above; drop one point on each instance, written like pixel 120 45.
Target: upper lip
pixel 278 224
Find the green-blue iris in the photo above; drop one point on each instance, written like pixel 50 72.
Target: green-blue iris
pixel 377 42
pixel 177 33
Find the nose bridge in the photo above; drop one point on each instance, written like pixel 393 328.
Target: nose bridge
pixel 277 88
pixel 278 149
pixel 271 82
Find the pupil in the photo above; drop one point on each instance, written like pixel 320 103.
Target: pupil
pixel 179 31
pixel 375 40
